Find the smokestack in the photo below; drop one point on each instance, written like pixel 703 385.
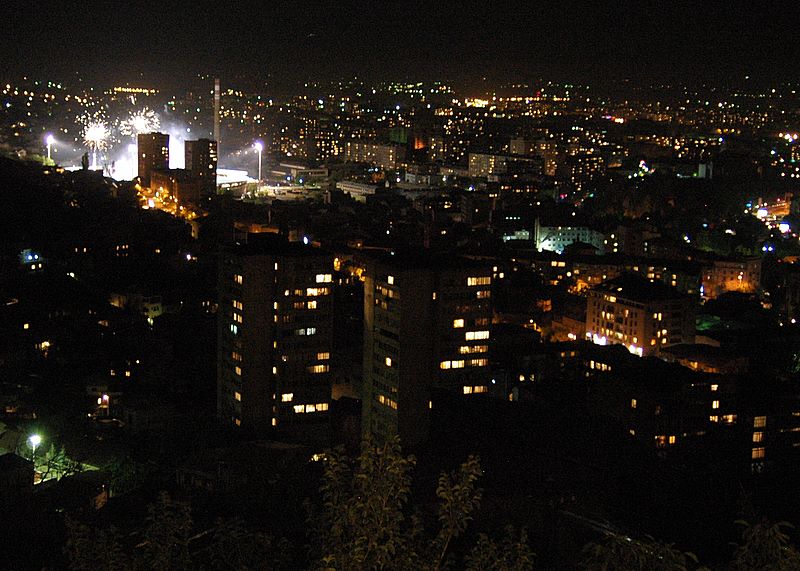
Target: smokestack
pixel 216 114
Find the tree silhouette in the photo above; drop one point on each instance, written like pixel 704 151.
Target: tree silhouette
pixel 621 553
pixel 765 547
pixel 166 536
pixel 363 522
pixel 92 549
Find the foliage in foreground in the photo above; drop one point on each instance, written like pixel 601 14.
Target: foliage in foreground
pixel 364 522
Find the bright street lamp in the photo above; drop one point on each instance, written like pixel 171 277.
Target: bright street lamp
pixel 259 146
pixel 50 139
pixel 34 440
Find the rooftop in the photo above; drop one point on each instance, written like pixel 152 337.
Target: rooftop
pixel 635 287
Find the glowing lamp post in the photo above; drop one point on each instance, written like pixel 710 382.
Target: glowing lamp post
pixel 259 146
pixel 50 139
pixel 34 440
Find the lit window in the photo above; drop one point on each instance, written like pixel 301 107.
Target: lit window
pixel 390 280
pixel 237 317
pixel 274 370
pixel 323 356
pixel 713 418
pixel 237 395
pixel 758 453
pixel 714 387
pixel 26 325
pixel 238 371
pixel 467 349
pixel 276 266
pixel 322 406
pixel 237 304
pixel 759 422
pixel 287 397
pixel 445 364
pixel 299 408
pixel 758 436
pixel 237 421
pixel 388 361
pixel 672 440
pixel 324 278
pixel 274 422
pixel 312 304
pixel 234 329
pixel 475 390
pixel 317 369
pixel 633 403
pixel 315 291
pixel 476 335
pixel 483 294
pixel 715 404
pixel 238 278
pixel 458 323
pixel 478 362
pixel 479 281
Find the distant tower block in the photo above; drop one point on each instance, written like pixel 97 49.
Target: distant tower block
pixel 216 112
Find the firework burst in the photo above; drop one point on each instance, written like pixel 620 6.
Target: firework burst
pixel 95 136
pixel 143 121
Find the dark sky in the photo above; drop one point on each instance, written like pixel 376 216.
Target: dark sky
pixel 114 41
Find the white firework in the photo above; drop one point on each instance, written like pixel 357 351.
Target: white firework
pixel 95 135
pixel 138 122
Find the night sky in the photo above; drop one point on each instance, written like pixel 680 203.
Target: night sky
pixel 468 40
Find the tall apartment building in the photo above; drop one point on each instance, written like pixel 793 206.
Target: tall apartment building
pixel 275 330
pixel 385 156
pixel 644 316
pixel 427 326
pixel 201 162
pixel 153 154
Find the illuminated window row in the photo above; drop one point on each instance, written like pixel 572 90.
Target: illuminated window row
pixel 485 280
pixel 324 278
pixel 468 349
pixel 318 369
pixel 477 389
pixel 307 408
pixel 386 401
pixel 476 335
pixel 452 364
pixel 237 304
pixel 238 278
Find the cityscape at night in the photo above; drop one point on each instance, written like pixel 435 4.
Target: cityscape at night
pixel 470 285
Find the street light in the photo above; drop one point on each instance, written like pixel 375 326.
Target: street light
pixel 259 146
pixel 50 139
pixel 34 440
